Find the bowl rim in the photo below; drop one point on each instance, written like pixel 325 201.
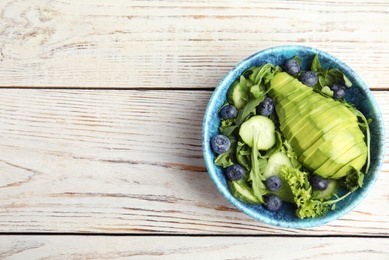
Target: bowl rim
pixel 306 223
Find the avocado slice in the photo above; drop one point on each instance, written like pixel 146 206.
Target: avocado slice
pixel 309 132
pixel 315 107
pixel 338 136
pixel 278 82
pixel 279 79
pixel 357 163
pixel 335 164
pixel 306 108
pixel 330 145
pixel 289 88
pixel 294 93
pixel 284 106
pixel 305 132
pixel 317 125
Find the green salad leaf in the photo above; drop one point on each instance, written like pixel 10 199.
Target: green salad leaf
pixel 225 123
pixel 327 77
pixel 353 180
pixel 304 195
pixel 297 58
pixel 243 155
pixel 258 166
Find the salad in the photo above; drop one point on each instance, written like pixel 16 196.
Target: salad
pixel 289 136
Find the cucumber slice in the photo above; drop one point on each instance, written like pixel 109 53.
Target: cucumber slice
pixel 237 95
pixel 274 165
pixel 263 128
pixel 328 193
pixel 242 192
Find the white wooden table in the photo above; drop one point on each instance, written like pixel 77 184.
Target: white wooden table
pixel 101 106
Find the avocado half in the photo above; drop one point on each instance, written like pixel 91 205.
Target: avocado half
pixel 324 133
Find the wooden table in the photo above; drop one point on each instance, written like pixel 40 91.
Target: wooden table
pixel 101 107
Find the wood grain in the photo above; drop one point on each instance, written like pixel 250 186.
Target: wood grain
pixel 129 162
pixel 178 44
pixel 141 247
pixel 101 107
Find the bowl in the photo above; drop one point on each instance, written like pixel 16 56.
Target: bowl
pixel 359 94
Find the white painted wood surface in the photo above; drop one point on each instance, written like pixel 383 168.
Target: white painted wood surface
pixel 178 44
pixel 101 105
pixel 128 162
pixel 235 247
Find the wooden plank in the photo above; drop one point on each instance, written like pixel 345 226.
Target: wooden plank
pixel 178 44
pixel 171 247
pixel 115 161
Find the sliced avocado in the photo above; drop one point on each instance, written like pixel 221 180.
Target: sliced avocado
pixel 318 109
pixel 310 132
pixel 298 113
pixel 284 107
pixel 327 146
pixel 357 163
pixel 330 127
pixel 293 124
pixel 316 137
pixel 330 145
pixel 295 94
pixel 278 82
pixel 338 128
pixel 335 164
pixel 289 88
pixel 291 94
pixel 316 126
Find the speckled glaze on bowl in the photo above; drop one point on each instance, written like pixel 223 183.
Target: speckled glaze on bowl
pixel 359 94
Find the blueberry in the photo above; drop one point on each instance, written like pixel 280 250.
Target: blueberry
pixel 339 90
pixel 309 78
pixel 292 67
pixel 220 144
pixel 273 202
pixel 266 107
pixel 318 183
pixel 273 183
pixel 235 172
pixel 228 112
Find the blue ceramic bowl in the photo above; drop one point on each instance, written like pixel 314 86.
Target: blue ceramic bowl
pixel 359 94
